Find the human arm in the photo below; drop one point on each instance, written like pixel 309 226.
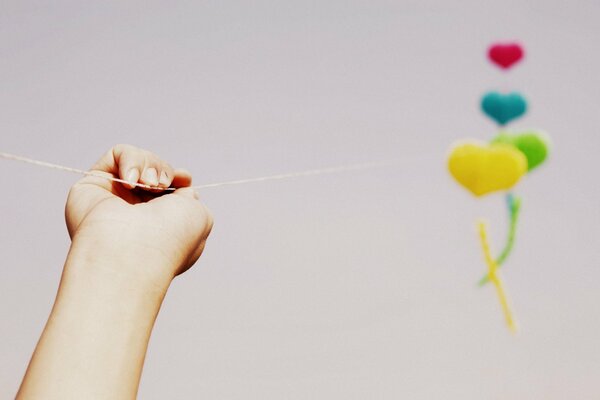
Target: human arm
pixel 127 246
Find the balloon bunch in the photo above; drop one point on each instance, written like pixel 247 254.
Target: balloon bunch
pixel 498 165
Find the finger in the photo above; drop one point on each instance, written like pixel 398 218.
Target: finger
pixel 123 160
pixel 165 175
pixel 156 173
pixel 182 178
pixel 130 164
pixel 149 177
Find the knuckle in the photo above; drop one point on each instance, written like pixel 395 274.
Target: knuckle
pixel 122 148
pixel 209 218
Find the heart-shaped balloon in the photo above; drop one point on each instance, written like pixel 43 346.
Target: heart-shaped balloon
pixel 503 108
pixel 484 168
pixel 505 54
pixel 533 144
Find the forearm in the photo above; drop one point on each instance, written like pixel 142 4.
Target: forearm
pixel 95 341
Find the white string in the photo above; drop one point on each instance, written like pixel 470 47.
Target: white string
pixel 311 172
pixel 45 164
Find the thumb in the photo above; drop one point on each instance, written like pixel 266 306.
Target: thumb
pixel 187 192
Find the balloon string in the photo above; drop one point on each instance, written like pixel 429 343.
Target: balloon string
pixel 495 278
pixel 311 172
pixel 514 207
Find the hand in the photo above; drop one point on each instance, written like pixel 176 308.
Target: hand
pixel 164 231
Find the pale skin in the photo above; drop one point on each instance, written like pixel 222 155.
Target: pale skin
pixel 127 245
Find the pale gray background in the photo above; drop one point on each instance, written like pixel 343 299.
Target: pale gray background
pixel 352 286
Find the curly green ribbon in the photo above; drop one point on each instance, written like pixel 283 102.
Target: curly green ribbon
pixel 514 206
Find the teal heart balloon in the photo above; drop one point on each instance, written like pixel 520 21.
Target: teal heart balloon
pixel 533 144
pixel 503 108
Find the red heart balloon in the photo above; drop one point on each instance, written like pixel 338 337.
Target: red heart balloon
pixel 505 54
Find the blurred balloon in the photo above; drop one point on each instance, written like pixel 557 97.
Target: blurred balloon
pixel 505 55
pixel 533 144
pixel 503 108
pixel 483 168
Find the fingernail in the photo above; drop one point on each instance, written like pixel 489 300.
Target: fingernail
pixel 151 177
pixel 164 179
pixel 133 176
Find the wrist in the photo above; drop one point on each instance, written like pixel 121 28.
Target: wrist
pixel 134 269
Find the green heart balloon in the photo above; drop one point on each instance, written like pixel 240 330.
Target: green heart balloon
pixel 533 144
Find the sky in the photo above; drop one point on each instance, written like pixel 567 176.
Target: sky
pixel 348 286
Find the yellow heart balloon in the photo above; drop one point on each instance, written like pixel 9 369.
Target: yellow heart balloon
pixel 484 168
